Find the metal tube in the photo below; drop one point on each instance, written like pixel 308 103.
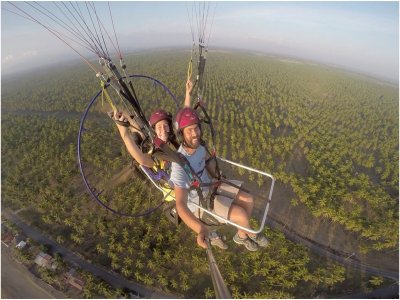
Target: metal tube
pixel 90 188
pixel 264 218
pixel 220 288
pixel 245 167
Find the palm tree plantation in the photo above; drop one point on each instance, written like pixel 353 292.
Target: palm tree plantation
pixel 329 137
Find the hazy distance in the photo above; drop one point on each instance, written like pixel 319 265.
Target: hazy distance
pixel 358 36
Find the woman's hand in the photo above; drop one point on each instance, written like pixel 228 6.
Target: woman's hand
pixel 123 120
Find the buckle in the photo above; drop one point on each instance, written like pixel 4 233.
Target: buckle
pixel 196 184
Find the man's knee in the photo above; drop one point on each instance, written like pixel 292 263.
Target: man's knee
pixel 246 197
pixel 237 213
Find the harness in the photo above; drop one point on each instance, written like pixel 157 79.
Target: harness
pixel 159 173
pixel 197 185
pixel 194 178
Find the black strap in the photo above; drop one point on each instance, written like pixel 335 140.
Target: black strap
pixel 208 120
pixel 195 181
pixel 183 162
pixel 217 171
pixel 116 78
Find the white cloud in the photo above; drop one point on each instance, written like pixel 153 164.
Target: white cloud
pixel 9 58
pixel 19 60
pixel 29 54
pixel 18 57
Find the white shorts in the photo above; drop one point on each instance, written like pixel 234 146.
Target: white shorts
pixel 224 198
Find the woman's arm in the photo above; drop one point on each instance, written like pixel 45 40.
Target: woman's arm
pixel 133 149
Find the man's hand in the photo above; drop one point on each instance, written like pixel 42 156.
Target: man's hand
pixel 201 238
pixel 189 87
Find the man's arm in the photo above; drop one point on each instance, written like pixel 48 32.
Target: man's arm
pixel 189 87
pixel 187 216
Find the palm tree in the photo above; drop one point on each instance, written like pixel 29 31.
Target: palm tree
pixel 126 271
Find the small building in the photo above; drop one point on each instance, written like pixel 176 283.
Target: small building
pixel 72 278
pixel 44 260
pixel 21 245
pixel 19 238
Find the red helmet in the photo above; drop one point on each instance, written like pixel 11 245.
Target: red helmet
pixel 158 116
pixel 185 117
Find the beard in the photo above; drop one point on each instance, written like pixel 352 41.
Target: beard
pixel 193 143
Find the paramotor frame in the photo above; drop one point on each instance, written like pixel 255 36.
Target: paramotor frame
pixel 96 194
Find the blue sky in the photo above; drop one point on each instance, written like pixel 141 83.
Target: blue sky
pixel 361 36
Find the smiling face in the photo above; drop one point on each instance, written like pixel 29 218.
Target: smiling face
pixel 192 135
pixel 162 130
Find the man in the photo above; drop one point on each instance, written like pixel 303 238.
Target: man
pixel 230 202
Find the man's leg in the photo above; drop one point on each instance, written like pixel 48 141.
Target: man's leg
pixel 238 215
pixel 241 198
pixel 228 209
pixel 245 200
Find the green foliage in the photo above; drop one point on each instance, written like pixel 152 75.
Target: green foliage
pixel 23 255
pixel 376 281
pixel 330 137
pixel 47 275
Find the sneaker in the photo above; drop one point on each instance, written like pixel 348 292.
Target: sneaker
pixel 248 243
pixel 216 240
pixel 260 239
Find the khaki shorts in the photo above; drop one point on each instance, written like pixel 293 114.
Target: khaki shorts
pixel 224 198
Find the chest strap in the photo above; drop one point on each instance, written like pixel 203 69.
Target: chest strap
pixel 194 179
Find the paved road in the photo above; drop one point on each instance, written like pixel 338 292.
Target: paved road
pixel 119 281
pixel 18 283
pixel 111 277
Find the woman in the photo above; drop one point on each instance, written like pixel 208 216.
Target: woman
pixel 161 122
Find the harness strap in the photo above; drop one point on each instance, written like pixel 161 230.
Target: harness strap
pixel 194 179
pixel 190 67
pixel 212 154
pixel 213 157
pixel 157 175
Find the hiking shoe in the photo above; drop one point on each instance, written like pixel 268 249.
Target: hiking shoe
pixel 248 243
pixel 216 240
pixel 260 239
